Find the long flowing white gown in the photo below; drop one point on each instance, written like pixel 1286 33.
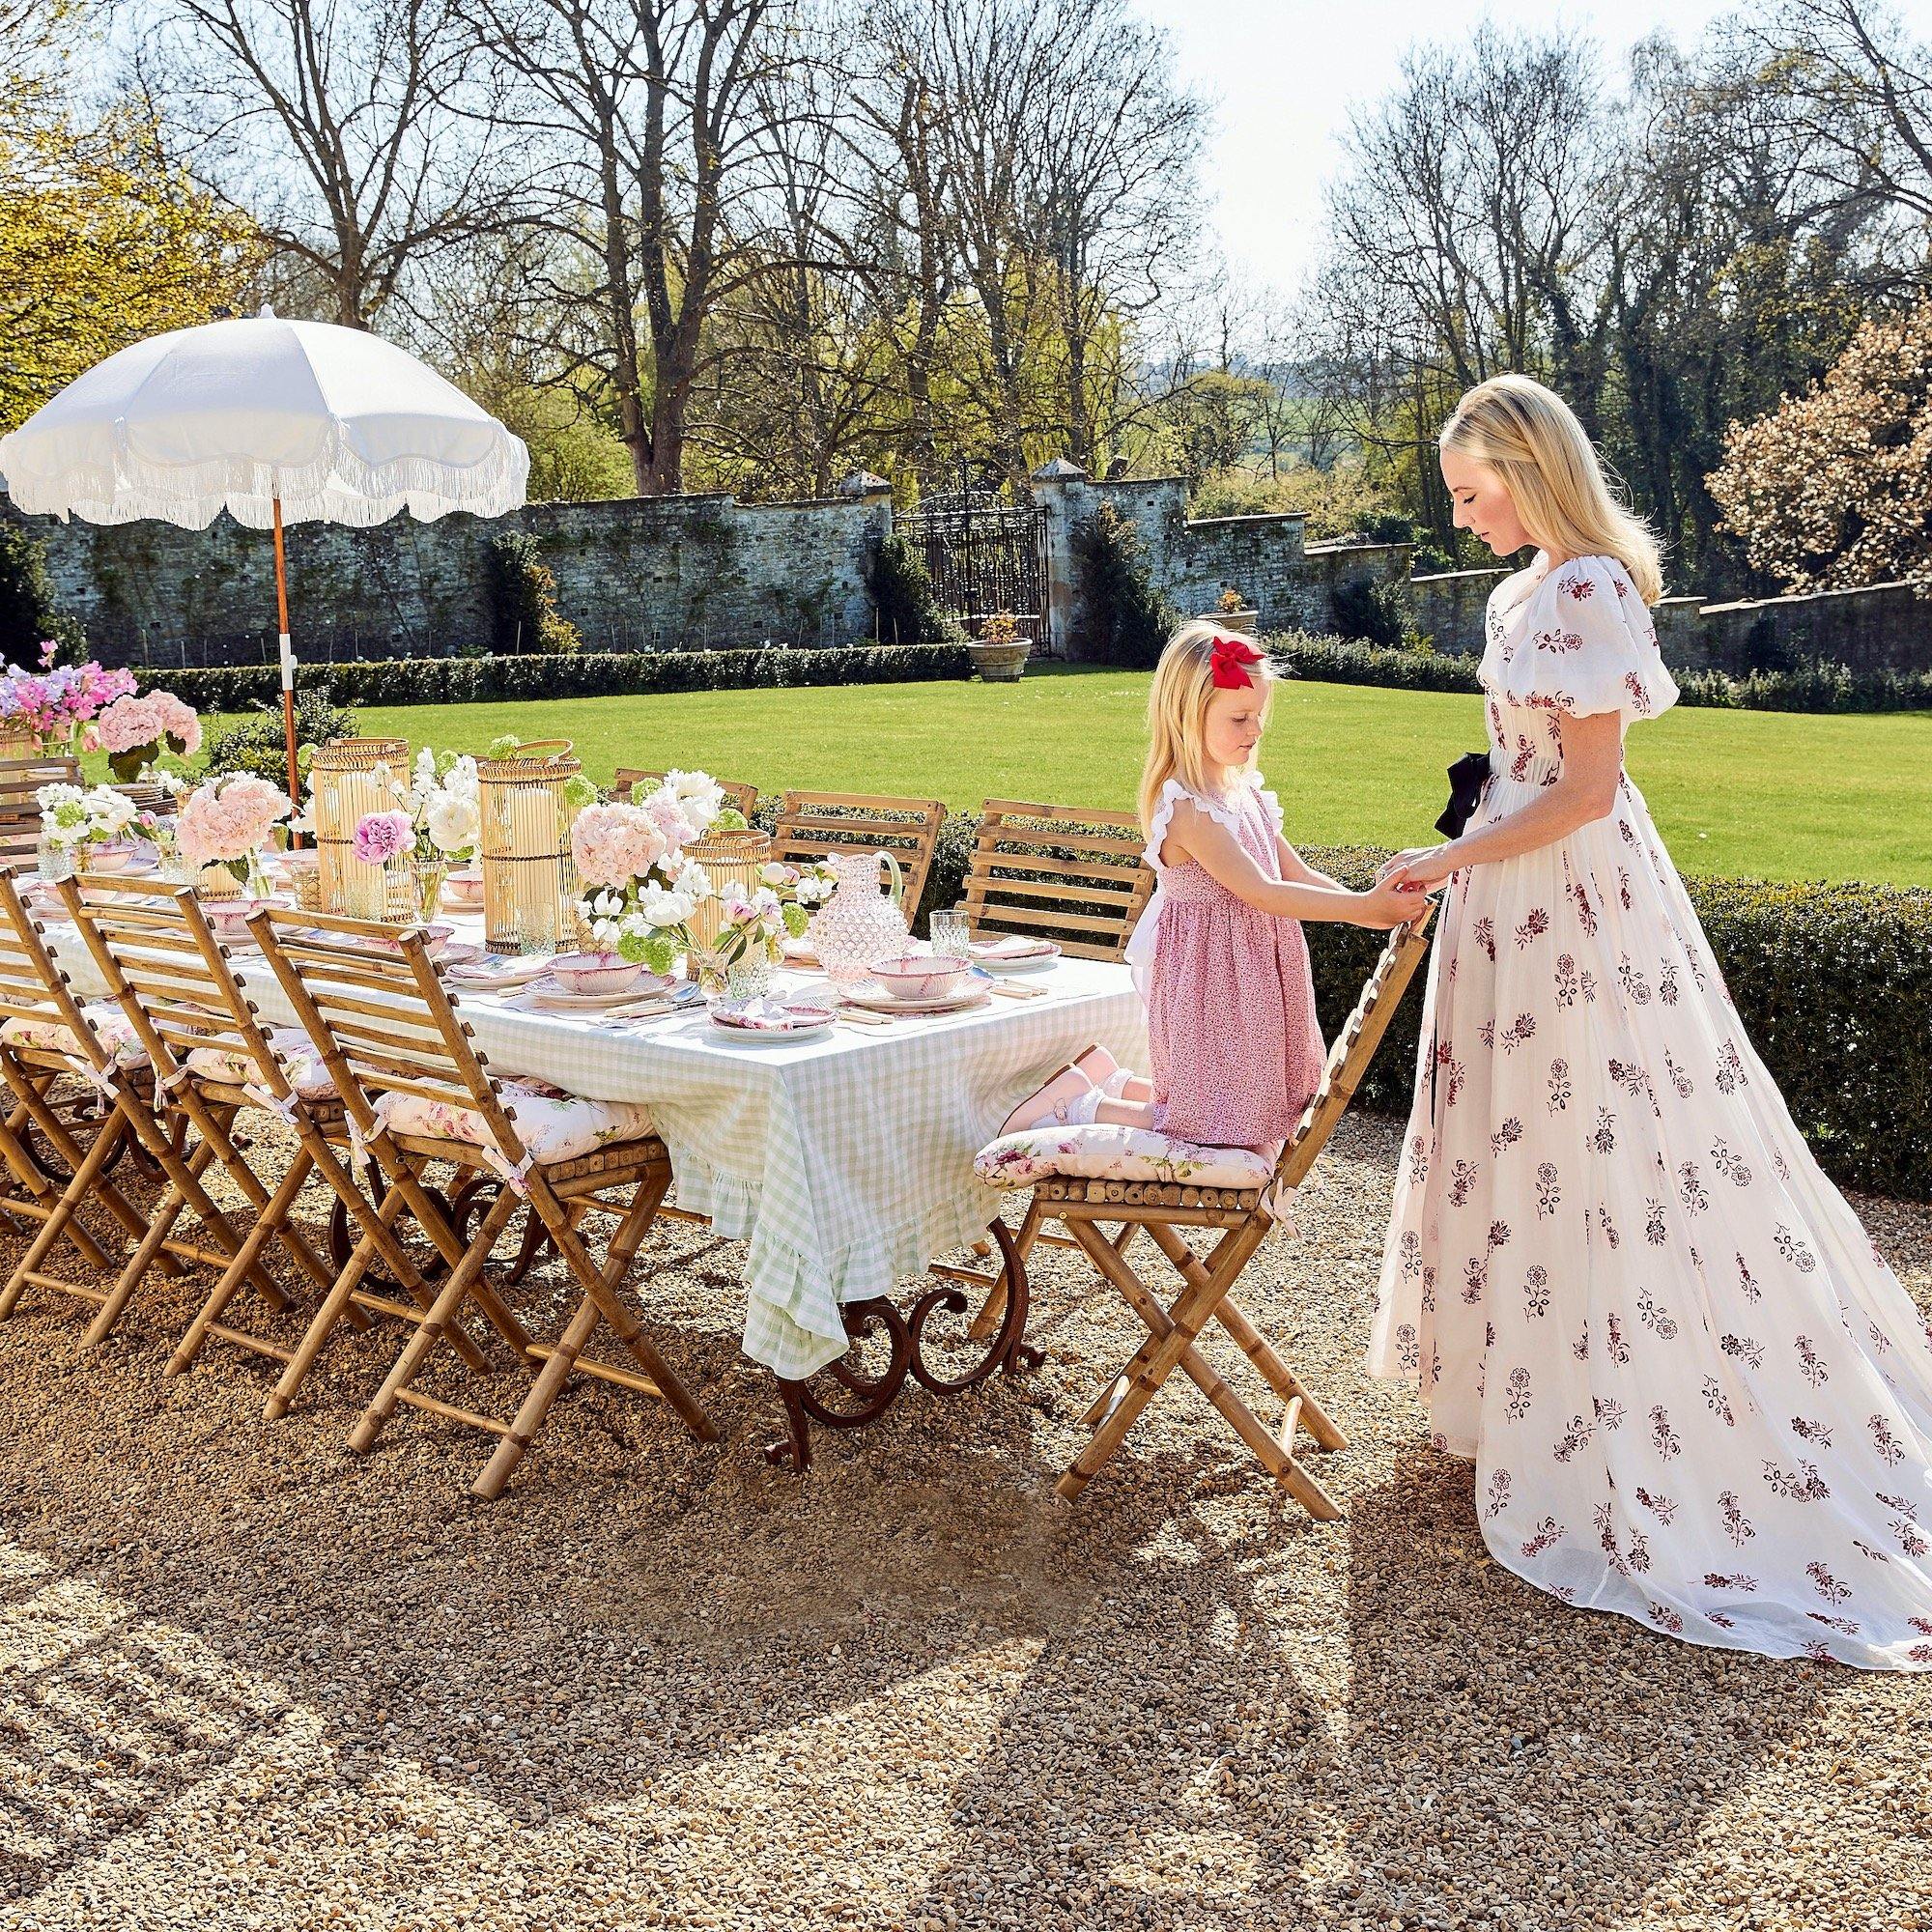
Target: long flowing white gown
pixel 1693 1391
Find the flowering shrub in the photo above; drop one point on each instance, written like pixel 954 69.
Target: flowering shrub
pixel 1833 488
pixel 135 731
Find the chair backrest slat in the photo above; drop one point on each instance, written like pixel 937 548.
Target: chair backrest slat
pixel 163 964
pixel 1355 1046
pixel 421 1047
pixel 1074 873
pixel 812 823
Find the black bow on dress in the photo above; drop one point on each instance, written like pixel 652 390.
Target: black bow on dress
pixel 1467 778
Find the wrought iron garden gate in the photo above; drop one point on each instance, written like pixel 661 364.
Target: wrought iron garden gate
pixel 984 556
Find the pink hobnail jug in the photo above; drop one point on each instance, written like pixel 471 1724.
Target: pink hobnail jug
pixel 863 922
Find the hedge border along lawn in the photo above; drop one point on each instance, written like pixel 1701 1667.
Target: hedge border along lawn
pixel 1817 686
pixel 534 675
pixel 1833 984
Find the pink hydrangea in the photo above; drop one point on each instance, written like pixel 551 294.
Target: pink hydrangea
pixel 664 812
pixel 612 844
pixel 142 724
pixel 380 835
pixel 223 821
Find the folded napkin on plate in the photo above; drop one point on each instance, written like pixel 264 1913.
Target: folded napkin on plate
pixel 1014 946
pixel 771 1015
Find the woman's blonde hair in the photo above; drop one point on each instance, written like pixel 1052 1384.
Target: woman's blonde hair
pixel 1530 436
pixel 1183 681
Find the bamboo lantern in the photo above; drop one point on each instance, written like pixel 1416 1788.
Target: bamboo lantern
pixel 529 885
pixel 347 790
pixel 730 859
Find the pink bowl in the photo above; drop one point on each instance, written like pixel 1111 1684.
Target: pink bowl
pixel 464 888
pixel 594 973
pixel 919 975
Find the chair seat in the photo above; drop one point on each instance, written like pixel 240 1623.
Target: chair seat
pixel 107 1018
pixel 552 1124
pixel 301 1061
pixel 1110 1152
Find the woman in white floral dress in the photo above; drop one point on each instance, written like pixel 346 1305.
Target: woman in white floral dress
pixel 1693 1392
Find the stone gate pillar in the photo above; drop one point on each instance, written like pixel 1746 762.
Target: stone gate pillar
pixel 1061 489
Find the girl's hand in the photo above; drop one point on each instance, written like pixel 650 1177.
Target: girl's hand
pixel 1387 904
pixel 1420 868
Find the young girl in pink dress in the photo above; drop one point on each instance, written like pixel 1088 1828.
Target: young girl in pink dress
pixel 1218 955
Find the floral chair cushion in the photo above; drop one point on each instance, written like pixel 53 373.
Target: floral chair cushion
pixel 301 1061
pixel 110 1026
pixel 552 1124
pixel 1106 1151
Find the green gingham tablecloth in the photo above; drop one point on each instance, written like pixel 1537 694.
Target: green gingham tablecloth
pixel 845 1162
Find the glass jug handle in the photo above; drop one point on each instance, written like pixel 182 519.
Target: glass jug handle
pixel 899 880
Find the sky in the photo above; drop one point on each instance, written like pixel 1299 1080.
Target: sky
pixel 1283 75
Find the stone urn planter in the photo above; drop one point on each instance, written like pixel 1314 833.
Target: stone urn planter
pixel 1243 621
pixel 1001 663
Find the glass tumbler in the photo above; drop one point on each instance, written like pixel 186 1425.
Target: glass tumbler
pixel 951 935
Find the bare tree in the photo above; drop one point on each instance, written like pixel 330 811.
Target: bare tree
pixel 356 133
pixel 649 123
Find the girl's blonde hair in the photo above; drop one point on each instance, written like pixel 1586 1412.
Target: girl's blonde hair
pixel 1183 681
pixel 1531 438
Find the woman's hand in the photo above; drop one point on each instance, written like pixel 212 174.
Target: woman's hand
pixel 1387 904
pixel 1420 868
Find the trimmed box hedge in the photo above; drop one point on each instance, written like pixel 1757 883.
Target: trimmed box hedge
pixel 534 675
pixel 1833 984
pixel 1818 686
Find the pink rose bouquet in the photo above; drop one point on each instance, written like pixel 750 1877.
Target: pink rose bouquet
pixel 228 820
pixel 135 731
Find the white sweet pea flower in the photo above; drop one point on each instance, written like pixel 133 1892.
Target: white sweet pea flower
pixel 692 881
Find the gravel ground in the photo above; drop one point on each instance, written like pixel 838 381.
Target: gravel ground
pixel 247 1679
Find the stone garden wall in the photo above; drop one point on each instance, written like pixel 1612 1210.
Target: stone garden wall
pixel 675 573
pixel 708 572
pixel 1885 627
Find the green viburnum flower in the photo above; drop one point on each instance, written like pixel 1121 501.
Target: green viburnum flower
pixel 579 792
pixel 796 920
pixel 505 747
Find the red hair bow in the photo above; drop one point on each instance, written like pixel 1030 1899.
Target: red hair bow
pixel 1230 659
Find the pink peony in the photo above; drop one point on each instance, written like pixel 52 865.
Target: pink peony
pixel 612 844
pixel 380 835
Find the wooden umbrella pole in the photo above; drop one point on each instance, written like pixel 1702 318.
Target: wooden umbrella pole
pixel 288 666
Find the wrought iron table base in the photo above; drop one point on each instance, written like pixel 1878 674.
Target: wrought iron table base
pixel 1008 1354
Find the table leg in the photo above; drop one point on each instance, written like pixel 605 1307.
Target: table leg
pixel 1008 1354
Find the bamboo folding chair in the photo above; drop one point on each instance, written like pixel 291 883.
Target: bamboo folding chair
pixel 21 782
pixel 629 779
pixel 1067 873
pixel 213 1059
pixel 48 1133
pixel 141 1111
pixel 386 1025
pixel 812 823
pixel 1243 1218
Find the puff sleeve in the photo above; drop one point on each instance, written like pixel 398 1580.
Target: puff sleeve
pixel 1587 644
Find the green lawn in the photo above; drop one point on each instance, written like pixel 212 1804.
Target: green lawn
pixel 1765 794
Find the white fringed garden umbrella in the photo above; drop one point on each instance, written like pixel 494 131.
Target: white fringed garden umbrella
pixel 276 422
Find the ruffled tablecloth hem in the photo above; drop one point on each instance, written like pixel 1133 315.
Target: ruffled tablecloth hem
pixel 792 1321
